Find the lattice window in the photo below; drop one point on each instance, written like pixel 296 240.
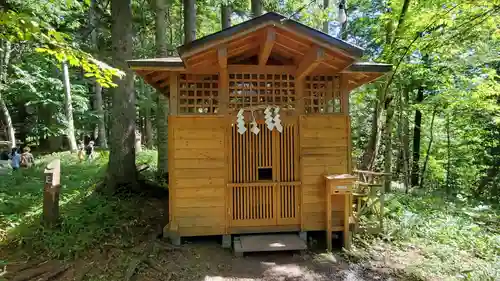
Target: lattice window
pixel 259 89
pixel 322 94
pixel 198 94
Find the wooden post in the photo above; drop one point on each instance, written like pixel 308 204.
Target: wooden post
pixel 51 190
pixel 174 93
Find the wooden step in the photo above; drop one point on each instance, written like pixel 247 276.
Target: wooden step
pixel 268 243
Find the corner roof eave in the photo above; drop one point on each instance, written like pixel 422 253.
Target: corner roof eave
pixel 269 19
pixel 372 67
pixel 168 63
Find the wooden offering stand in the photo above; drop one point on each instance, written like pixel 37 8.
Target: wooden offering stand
pixel 338 206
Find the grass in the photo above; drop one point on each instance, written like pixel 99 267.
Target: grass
pixel 87 218
pixel 437 239
pixel 425 236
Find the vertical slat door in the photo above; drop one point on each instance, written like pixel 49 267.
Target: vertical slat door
pixel 255 202
pixel 288 200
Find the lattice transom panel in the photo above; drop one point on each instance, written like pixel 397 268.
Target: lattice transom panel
pixel 247 89
pixel 322 94
pixel 198 94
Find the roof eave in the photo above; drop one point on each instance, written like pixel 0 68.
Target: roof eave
pixel 155 64
pixel 369 67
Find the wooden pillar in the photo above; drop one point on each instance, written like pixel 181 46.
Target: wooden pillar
pixel 344 94
pixel 174 93
pixel 223 91
pixel 223 80
pixel 299 93
pixel 344 109
pixel 329 106
pixel 51 192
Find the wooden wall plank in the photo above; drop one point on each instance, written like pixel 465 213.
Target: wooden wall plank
pixel 197 221
pixel 197 203
pixel 324 150
pixel 199 174
pixel 201 212
pixel 200 153
pixel 200 144
pixel 200 134
pixel 200 182
pixel 201 192
pixel 323 122
pixel 197 122
pixel 202 230
pixel 339 141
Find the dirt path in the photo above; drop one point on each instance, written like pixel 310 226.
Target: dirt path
pixel 148 259
pixel 207 261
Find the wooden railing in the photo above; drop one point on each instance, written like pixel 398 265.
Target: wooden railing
pixel 369 197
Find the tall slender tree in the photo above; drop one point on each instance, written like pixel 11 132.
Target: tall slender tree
pixel 256 8
pixel 225 15
pixel 98 101
pixel 68 108
pixel 5 52
pixel 326 23
pixel 189 21
pixel 121 171
pixel 162 105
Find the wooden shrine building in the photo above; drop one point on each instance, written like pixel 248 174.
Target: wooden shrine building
pixel 224 182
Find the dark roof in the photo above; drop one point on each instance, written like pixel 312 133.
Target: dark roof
pixel 369 67
pixel 177 62
pixel 157 62
pixel 273 18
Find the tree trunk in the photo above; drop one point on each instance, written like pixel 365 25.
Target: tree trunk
pixel 431 139
pixel 326 23
pixel 162 101
pixel 415 171
pixel 388 147
pixel 148 126
pixel 4 65
pixel 189 21
pixel 225 15
pixel 103 140
pixel 448 157
pixel 343 30
pixel 68 108
pixel 121 168
pixel 11 133
pixel 406 140
pixel 256 8
pixel 98 101
pixel 371 150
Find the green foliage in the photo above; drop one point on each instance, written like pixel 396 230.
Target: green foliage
pixel 454 239
pixel 28 23
pixel 87 219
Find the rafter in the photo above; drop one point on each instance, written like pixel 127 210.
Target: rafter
pixel 162 75
pixel 164 83
pixel 267 47
pixel 310 61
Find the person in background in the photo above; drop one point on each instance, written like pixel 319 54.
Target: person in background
pixel 15 159
pixel 27 159
pixel 81 151
pixel 89 150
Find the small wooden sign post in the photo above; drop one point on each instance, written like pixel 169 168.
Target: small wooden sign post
pixel 51 190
